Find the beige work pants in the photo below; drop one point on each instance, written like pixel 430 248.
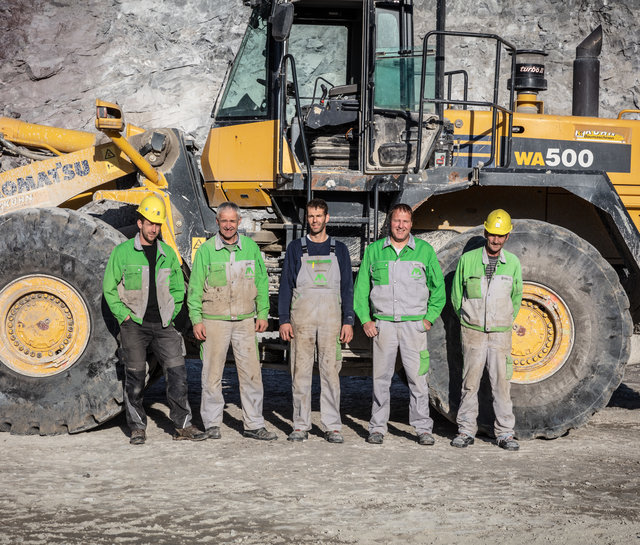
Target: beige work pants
pixel 488 350
pixel 242 337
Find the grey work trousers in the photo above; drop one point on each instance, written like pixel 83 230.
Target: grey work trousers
pixel 168 346
pixel 411 339
pixel 307 333
pixel 482 349
pixel 242 337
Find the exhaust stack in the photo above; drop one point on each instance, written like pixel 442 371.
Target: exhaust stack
pixel 586 75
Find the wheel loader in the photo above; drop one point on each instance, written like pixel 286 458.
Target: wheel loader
pixel 335 99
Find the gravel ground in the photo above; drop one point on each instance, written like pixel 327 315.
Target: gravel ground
pixel 94 488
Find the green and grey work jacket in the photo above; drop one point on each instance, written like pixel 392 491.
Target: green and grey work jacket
pixel 403 287
pixel 487 304
pixel 228 282
pixel 126 282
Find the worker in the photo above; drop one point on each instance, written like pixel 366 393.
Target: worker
pixel 486 295
pixel 400 286
pixel 228 301
pixel 144 288
pixel 315 308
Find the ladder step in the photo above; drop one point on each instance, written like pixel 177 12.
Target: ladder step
pixel 336 220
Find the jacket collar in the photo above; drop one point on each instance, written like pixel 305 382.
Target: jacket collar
pixel 411 242
pixel 138 245
pixel 220 243
pixel 485 256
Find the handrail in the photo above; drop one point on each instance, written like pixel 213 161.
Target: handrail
pixel 282 121
pixel 622 113
pixel 465 76
pixel 493 105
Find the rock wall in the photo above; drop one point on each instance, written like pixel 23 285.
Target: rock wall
pixel 164 62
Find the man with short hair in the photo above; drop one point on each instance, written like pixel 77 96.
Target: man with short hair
pixel 486 295
pixel 144 288
pixel 315 307
pixel 400 286
pixel 228 288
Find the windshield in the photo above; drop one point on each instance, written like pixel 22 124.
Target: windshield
pixel 246 91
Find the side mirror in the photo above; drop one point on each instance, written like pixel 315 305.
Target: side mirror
pixel 281 22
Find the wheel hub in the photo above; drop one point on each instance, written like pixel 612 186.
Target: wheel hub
pixel 44 327
pixel 543 335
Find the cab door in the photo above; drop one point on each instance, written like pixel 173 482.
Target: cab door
pixel 393 70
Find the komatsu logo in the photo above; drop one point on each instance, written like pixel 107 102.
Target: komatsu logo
pixel 607 136
pixel 44 178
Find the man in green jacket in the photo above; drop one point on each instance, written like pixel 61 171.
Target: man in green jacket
pixel 144 288
pixel 400 286
pixel 486 295
pixel 227 289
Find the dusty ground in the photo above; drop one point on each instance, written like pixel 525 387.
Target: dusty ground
pixel 94 488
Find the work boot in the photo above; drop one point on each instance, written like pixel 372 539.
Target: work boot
pixel 298 436
pixel 212 433
pixel 333 436
pixel 261 434
pixel 462 440
pixel 426 439
pixel 375 438
pixel 507 442
pixel 190 433
pixel 138 437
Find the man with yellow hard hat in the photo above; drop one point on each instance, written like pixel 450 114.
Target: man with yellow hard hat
pixel 486 295
pixel 144 288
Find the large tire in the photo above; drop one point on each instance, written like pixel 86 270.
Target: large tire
pixel 437 239
pixel 58 347
pixel 571 338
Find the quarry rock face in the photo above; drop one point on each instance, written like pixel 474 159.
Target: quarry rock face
pixel 164 62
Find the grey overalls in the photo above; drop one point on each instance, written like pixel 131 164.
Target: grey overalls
pixel 316 319
pixel 403 301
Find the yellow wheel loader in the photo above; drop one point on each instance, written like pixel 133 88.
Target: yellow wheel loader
pixel 334 99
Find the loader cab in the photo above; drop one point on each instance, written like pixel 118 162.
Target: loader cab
pixel 326 48
pixel 338 93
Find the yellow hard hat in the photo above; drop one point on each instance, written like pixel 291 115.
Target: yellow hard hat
pixel 498 222
pixel 152 207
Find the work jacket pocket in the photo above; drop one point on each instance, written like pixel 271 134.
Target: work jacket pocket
pixel 132 277
pixel 380 273
pixel 473 287
pixel 217 275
